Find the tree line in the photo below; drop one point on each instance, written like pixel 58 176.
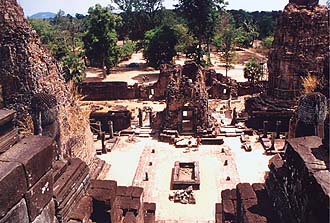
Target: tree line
pixel 191 29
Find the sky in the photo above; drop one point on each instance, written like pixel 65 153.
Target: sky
pixel 81 6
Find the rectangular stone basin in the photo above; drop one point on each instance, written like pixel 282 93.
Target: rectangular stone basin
pixel 185 174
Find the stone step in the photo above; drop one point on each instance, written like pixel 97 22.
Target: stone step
pixel 6 116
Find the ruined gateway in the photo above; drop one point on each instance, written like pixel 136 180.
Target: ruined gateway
pixel 54 176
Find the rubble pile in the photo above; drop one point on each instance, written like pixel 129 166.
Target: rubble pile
pixel 183 196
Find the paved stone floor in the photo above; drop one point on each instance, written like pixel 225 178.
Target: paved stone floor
pixel 130 161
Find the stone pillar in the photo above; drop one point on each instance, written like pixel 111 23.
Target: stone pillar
pixel 150 118
pixel 265 123
pixel 140 118
pixel 110 124
pixel 278 123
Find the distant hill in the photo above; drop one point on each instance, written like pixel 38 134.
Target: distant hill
pixel 43 15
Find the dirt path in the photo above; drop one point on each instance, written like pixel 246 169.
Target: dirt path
pixel 133 75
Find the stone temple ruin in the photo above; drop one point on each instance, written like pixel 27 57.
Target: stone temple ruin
pixel 186 99
pixel 49 171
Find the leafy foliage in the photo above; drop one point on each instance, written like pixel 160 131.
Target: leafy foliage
pixel 253 70
pixel 268 42
pixel 74 68
pixel 126 51
pixel 100 39
pixel 226 39
pixel 201 17
pixel 160 46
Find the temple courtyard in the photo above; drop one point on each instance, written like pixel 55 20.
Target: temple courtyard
pixel 130 161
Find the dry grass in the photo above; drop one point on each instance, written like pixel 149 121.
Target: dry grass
pixel 309 83
pixel 25 126
pixel 74 118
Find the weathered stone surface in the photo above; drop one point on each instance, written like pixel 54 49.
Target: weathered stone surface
pixel 103 190
pixel 26 69
pixel 186 91
pixel 300 48
pixel 47 215
pixel 40 195
pixel 13 185
pixel 301 192
pixel 35 153
pixel 83 211
pixel 305 2
pixel 245 191
pixel 149 207
pixel 129 218
pixel 18 214
pixel 6 115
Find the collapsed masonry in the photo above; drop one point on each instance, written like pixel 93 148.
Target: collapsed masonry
pixel 296 189
pixel 34 188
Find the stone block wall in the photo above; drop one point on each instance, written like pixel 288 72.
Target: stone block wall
pixel 26 182
pixel 119 203
pixel 245 204
pixel 299 182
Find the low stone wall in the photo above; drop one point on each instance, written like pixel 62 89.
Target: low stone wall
pixel 299 182
pixel 101 91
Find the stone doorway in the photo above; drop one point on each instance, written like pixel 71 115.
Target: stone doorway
pixel 188 120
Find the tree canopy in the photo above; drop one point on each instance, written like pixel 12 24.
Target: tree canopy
pixel 201 17
pixel 100 39
pixel 159 46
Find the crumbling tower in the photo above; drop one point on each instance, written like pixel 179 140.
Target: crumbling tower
pixel 300 48
pixel 186 99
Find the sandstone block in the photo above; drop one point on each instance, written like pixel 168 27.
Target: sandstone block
pixel 47 215
pixel 18 214
pixel 83 211
pixel 40 195
pixel 149 207
pixel 13 185
pixel 103 190
pixel 129 218
pixel 245 191
pixel 35 153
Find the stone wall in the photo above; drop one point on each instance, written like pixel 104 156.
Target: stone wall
pixel 26 69
pixel 298 183
pixel 300 47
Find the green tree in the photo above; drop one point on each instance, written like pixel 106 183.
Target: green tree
pixel 253 72
pixel 44 29
pixel 138 17
pixel 201 17
pixel 74 68
pixel 100 39
pixel 226 39
pixel 159 46
pixel 268 42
